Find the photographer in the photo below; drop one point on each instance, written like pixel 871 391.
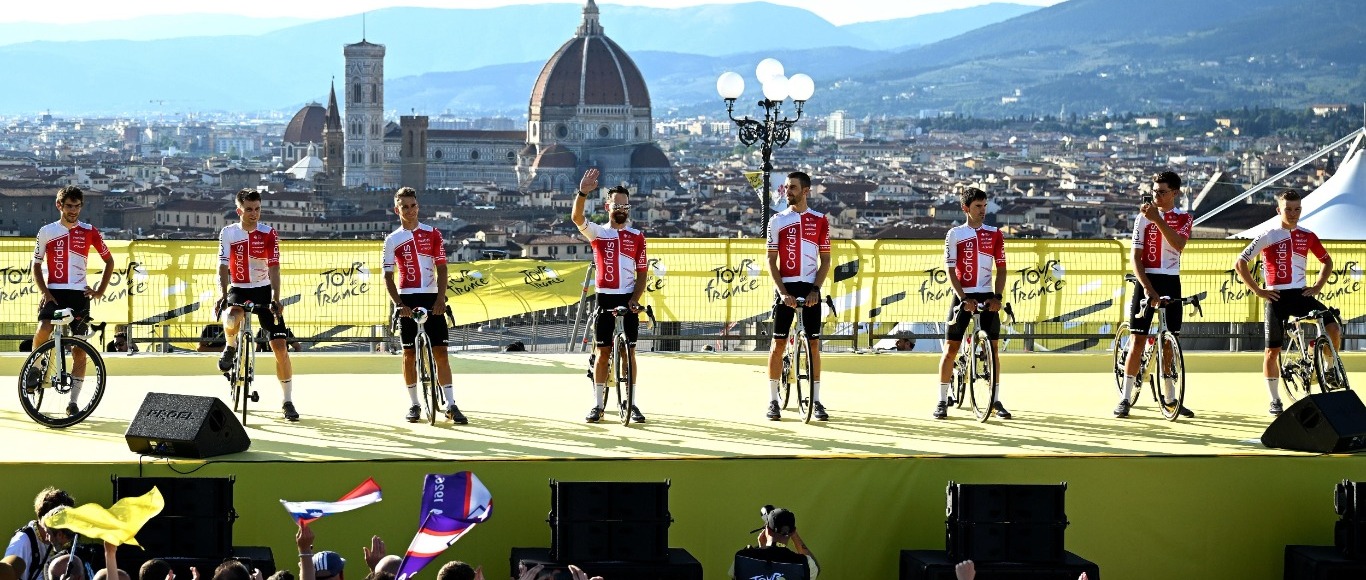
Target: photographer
pixel 779 543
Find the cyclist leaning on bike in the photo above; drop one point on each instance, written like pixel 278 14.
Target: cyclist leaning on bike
pixel 416 252
pixel 619 259
pixel 970 251
pixel 1160 233
pixel 798 260
pixel 249 271
pixel 1285 253
pixel 59 265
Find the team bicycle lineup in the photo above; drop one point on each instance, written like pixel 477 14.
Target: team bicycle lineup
pixel 64 378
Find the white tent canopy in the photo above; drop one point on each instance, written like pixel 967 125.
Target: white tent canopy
pixel 1334 211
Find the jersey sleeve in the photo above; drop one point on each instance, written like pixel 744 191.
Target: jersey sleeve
pixel 97 241
pixel 1250 252
pixel 1316 247
pixel 223 247
pixel 772 234
pixel 950 251
pixel 1000 245
pixel 641 262
pixel 591 230
pixel 824 235
pixel 1138 232
pixel 40 244
pixel 274 259
pixel 387 261
pixel 440 258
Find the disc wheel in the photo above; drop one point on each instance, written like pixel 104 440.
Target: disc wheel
pixel 47 386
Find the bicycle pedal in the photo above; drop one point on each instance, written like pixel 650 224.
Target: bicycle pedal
pixel 255 397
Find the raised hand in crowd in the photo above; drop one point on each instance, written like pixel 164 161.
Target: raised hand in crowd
pixel 579 574
pixel 374 552
pixel 303 539
pixel 965 570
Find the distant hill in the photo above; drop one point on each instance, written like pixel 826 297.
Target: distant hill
pixel 903 33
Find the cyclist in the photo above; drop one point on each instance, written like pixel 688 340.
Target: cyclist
pixel 619 258
pixel 970 250
pixel 60 253
pixel 1160 233
pixel 798 260
pixel 1285 253
pixel 418 254
pixel 249 271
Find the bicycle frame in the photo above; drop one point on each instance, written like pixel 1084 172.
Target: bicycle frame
pixel 1314 360
pixel 964 366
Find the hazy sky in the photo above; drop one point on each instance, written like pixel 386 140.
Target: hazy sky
pixel 57 11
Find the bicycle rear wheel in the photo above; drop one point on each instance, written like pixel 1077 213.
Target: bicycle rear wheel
pixel 801 363
pixel 1123 343
pixel 246 361
pixel 1328 366
pixel 51 389
pixel 623 375
pixel 1175 371
pixel 1296 368
pixel 983 376
pixel 426 375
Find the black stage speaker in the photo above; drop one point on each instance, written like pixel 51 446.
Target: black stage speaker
pixel 1006 523
pixel 185 426
pixel 936 565
pixel 1322 423
pixel 1321 563
pixel 594 521
pixel 196 522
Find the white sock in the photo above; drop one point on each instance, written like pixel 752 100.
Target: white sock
pixel 600 395
pixel 449 390
pixel 287 386
pixel 773 389
pixel 816 391
pixel 943 392
pixel 1271 384
pixel 1129 387
pixel 412 393
pixel 76 383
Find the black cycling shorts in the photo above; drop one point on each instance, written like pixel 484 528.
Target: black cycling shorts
pixel 435 326
pixel 1168 285
pixel 783 314
pixel 607 322
pixel 76 300
pixel 1292 302
pixel 260 296
pixel 991 321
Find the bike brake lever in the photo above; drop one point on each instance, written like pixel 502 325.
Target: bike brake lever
pixel 1195 301
pixel 831 303
pixel 1010 312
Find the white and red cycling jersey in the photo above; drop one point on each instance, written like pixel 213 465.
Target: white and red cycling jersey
pixel 248 255
pixel 415 254
pixel 799 239
pixel 62 253
pixel 970 255
pixel 618 257
pixel 1285 253
pixel 1158 256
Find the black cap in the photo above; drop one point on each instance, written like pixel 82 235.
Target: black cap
pixel 780 520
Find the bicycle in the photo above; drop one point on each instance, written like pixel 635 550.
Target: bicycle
pixel 619 366
pixel 1160 340
pixel 798 357
pixel 242 374
pixel 433 396
pixel 974 369
pixel 1300 369
pixel 43 372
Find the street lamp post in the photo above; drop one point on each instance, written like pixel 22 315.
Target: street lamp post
pixel 774 129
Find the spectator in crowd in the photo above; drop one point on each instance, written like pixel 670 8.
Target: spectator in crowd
pixel 121 342
pixel 383 566
pixel 111 564
pixel 457 570
pixel 66 567
pixel 905 344
pixel 328 564
pixel 32 547
pixel 779 542
pixel 211 338
pixel 156 569
pixel 234 570
pixel 279 575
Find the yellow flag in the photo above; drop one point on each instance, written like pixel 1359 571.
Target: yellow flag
pixel 756 178
pixel 116 525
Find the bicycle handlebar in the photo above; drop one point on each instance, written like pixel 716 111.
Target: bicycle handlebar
pixel 981 305
pixel 1318 315
pixel 251 307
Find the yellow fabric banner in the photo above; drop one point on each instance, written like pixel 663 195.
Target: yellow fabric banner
pixel 117 525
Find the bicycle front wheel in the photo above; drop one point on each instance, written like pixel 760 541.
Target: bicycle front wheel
pixel 1328 366
pixel 982 381
pixel 804 371
pixel 54 391
pixel 426 375
pixel 1296 368
pixel 624 375
pixel 246 361
pixel 1174 371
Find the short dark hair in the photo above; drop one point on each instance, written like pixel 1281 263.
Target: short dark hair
pixel 1288 195
pixel 455 570
pixel 971 194
pixel 404 192
pixel 231 570
pixel 247 194
pixel 70 193
pixel 154 569
pixel 621 189
pixel 1168 178
pixel 49 499
pixel 377 575
pixel 801 178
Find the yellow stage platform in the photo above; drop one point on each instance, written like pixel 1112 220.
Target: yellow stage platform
pixel 1147 498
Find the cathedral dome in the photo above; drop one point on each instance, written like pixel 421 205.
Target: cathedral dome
pixel 307 125
pixel 556 156
pixel 649 156
pixel 590 69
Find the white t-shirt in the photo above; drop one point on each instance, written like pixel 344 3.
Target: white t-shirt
pixel 19 545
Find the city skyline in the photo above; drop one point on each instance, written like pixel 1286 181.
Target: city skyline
pixel 79 11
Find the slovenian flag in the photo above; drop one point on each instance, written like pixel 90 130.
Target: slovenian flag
pixel 307 511
pixel 451 506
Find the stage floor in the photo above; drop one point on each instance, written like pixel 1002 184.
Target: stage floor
pixel 531 406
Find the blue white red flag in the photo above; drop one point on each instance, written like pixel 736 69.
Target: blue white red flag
pixel 307 511
pixel 451 506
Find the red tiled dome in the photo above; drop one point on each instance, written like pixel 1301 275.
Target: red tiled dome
pixel 590 69
pixel 307 125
